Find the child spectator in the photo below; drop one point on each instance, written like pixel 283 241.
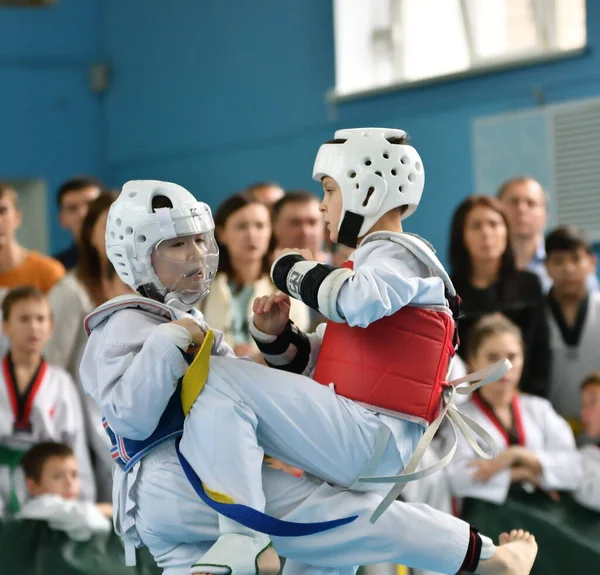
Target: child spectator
pixel 536 445
pixel 38 401
pixel 52 477
pixel 588 493
pixel 573 316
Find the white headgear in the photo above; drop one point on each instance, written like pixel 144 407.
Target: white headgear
pixel 374 175
pixel 134 229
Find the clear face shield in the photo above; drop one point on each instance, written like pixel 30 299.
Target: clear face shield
pixel 186 264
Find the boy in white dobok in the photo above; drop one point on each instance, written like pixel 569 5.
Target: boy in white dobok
pixel 38 400
pixel 588 493
pixel 160 240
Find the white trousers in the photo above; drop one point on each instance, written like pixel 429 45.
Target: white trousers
pixel 178 528
pixel 247 409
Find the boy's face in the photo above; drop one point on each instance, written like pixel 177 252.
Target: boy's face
pixel 10 219
pixel 590 409
pixel 29 325
pixel 178 262
pixel 569 270
pixel 331 206
pixel 60 476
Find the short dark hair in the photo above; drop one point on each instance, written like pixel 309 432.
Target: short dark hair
pixel 34 460
pixel 592 379
pixel 18 294
pixel 293 197
pixel 77 184
pixel 567 239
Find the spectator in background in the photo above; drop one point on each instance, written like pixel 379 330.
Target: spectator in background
pixel 588 493
pixel 80 291
pixel 52 476
pixel 535 444
pixel 20 266
pixel 243 231
pixel 485 277
pixel 71 300
pixel 73 198
pixel 574 319
pixel 266 192
pixel 525 205
pixel 38 401
pixel 298 223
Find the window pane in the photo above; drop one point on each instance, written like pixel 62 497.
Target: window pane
pixel 570 24
pixel 431 38
pixel 502 27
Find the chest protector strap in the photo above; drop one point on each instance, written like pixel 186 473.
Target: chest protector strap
pixel 458 421
pixel 440 394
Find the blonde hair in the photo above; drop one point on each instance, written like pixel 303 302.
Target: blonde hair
pixel 592 379
pixel 489 326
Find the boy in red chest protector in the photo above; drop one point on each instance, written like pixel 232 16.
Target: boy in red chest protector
pixel 391 306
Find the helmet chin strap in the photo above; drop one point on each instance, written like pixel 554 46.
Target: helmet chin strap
pixel 350 228
pixel 173 299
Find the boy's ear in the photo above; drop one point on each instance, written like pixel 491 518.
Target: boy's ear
pixel 32 487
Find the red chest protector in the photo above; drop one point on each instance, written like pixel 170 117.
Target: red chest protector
pixel 397 365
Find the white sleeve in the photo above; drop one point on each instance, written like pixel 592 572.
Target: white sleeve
pixel 79 519
pixel 588 493
pixel 70 414
pixel 561 467
pixel 68 316
pixel 384 283
pixel 131 370
pixel 220 346
pixel 460 474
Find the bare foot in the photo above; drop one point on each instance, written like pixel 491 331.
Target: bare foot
pixel 514 556
pixel 268 562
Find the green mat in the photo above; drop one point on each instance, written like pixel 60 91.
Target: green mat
pixel 568 535
pixel 30 547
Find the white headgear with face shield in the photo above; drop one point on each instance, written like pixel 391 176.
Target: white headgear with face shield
pixel 374 175
pixel 141 238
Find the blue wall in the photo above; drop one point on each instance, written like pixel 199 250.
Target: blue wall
pixel 217 94
pixel 50 121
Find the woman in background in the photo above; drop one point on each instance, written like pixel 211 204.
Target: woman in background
pixel 487 280
pixel 71 300
pixel 243 232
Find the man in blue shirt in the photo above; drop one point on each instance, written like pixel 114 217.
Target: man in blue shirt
pixel 525 205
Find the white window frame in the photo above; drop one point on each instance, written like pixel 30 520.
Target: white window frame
pixel 543 11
